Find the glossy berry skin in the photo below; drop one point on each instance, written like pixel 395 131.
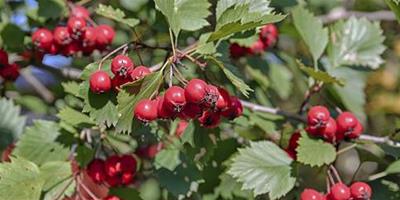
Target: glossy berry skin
pixel 329 131
pixel 89 38
pixel 210 119
pixel 346 123
pixel 111 197
pixel 42 38
pixel 269 35
pixel 118 81
pixel 311 194
pixel 163 111
pixel 318 116
pixel 293 141
pixel 339 191
pixel 191 111
pixel 62 36
pixel 105 35
pixel 128 164
pixel 196 91
pixel 80 12
pixel 10 72
pixel 360 191
pixel 71 49
pixel 234 110
pixel 257 47
pixel 357 131
pixel 236 51
pixel 76 27
pixel 211 98
pixel 174 98
pixel 100 82
pixel 223 101
pixel 150 151
pixel 96 170
pixel 126 178
pixel 182 125
pixel 146 110
pixel 113 165
pixel 139 72
pixel 3 58
pixel 121 65
pixel 113 181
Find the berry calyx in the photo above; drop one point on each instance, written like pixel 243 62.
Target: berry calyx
pixel 196 91
pixel 96 170
pixel 357 131
pixel 210 119
pixel 146 110
pixel 140 72
pixel 62 36
pixel 360 191
pixel 318 116
pixel 42 38
pixel 235 109
pixel 100 82
pixel 311 194
pixel 211 96
pixel 339 191
pixel 346 123
pixel 121 65
pixel 76 27
pixel 174 98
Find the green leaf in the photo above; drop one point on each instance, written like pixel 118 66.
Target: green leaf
pixel 356 42
pixel 204 47
pixel 393 168
pixel 281 80
pixel 150 189
pixel 259 77
pixel 167 158
pixel 394 6
pixel 116 14
pixel 237 82
pixel 84 155
pixel 54 173
pixel 65 188
pixel 125 193
pixel 247 41
pixel 259 6
pixel 264 168
pixel 12 37
pixel 52 8
pixel 320 75
pixel 20 179
pixel 74 118
pixel 38 144
pixel 101 107
pixel 127 102
pixel 184 14
pixel 307 154
pixel 11 123
pixel 71 87
pixel 32 103
pixel 311 30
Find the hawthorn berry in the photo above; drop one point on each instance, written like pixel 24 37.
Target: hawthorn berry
pixel 182 125
pixel 236 51
pixel 10 72
pixel 128 164
pixel 80 12
pixel 329 131
pixel 62 36
pixel 3 58
pixel 118 81
pixel 54 49
pixel 235 109
pixel 318 116
pixel 139 72
pixel 223 101
pixel 71 48
pixel 174 98
pixel 113 180
pixel 42 38
pixel 150 151
pixel 294 139
pixel 6 154
pixel 113 165
pixel 111 197
pixel 196 91
pixel 357 131
pixel 190 111
pixel 105 35
pixel 257 47
pixel 163 111
pixel 89 39
pixel 121 65
pixel 346 123
pixel 210 119
pixel 268 35
pixel 146 110
pixel 76 27
pixel 339 191
pixel 100 82
pixel 311 194
pixel 96 170
pixel 211 97
pixel 360 191
pixel 126 178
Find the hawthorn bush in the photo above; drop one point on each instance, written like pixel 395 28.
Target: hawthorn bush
pixel 199 99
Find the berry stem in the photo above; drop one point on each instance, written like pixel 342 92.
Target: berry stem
pixel 345 149
pixel 137 50
pixel 111 53
pixel 335 173
pixel 90 193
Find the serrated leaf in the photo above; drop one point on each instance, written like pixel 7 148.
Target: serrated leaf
pixel 237 82
pixel 11 123
pixel 74 118
pixel 127 102
pixel 258 6
pixel 65 188
pixel 307 154
pixel 393 168
pixel 84 155
pixel 394 6
pixel 259 77
pixel 116 14
pixel 167 158
pixel 204 47
pixel 71 87
pixel 20 180
pixel 38 144
pixel 184 14
pixel 320 75
pixel 54 173
pixel 356 42
pixel 52 8
pixel 264 168
pixel 12 37
pixel 281 79
pixel 311 30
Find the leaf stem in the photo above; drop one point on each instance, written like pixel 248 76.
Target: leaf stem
pixel 346 149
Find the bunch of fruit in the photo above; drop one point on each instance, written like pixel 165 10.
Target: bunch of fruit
pixel 9 72
pixel 340 191
pixel 77 36
pixel 267 37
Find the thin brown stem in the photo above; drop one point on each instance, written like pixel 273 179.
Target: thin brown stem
pixel 39 88
pixel 111 53
pixel 335 172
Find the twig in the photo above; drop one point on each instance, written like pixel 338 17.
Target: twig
pixel 335 172
pixel 307 96
pixel 46 94
pixel 341 13
pixel 258 108
pixel 381 140
pixel 137 50
pixel 90 193
pixel 346 149
pixel 111 53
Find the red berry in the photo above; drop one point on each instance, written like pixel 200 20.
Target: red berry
pixel 71 49
pixel 257 47
pixel 113 180
pixel 9 72
pixel 89 38
pixel 118 81
pixel 223 101
pixel 210 119
pixel 140 72
pixel 346 123
pixel 293 141
pixel 146 110
pixel 269 35
pixel 182 125
pixel 318 116
pixel 6 154
pixel 76 27
pixel 54 48
pixel 311 194
pixel 196 91
pixel 127 178
pixel 212 94
pixel 357 131
pixel 291 153
pixel 339 191
pixel 163 111
pixel 105 35
pixel 234 110
pixel 329 131
pixel 191 111
pixel 3 58
pixel 314 131
pixel 360 191
pixel 122 65
pixel 113 165
pixel 111 197
pixel 80 12
pixel 62 36
pixel 151 150
pixel 236 51
pixel 174 98
pixel 42 38
pixel 100 82
pixel 96 170
pixel 128 164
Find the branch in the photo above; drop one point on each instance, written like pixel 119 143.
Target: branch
pixel 341 13
pixel 380 140
pixel 258 108
pixel 46 94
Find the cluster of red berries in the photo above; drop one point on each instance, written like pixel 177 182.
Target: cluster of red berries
pixel 321 124
pixel 115 170
pixel 198 99
pixel 339 191
pixel 76 37
pixel 267 37
pixel 124 71
pixel 9 72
